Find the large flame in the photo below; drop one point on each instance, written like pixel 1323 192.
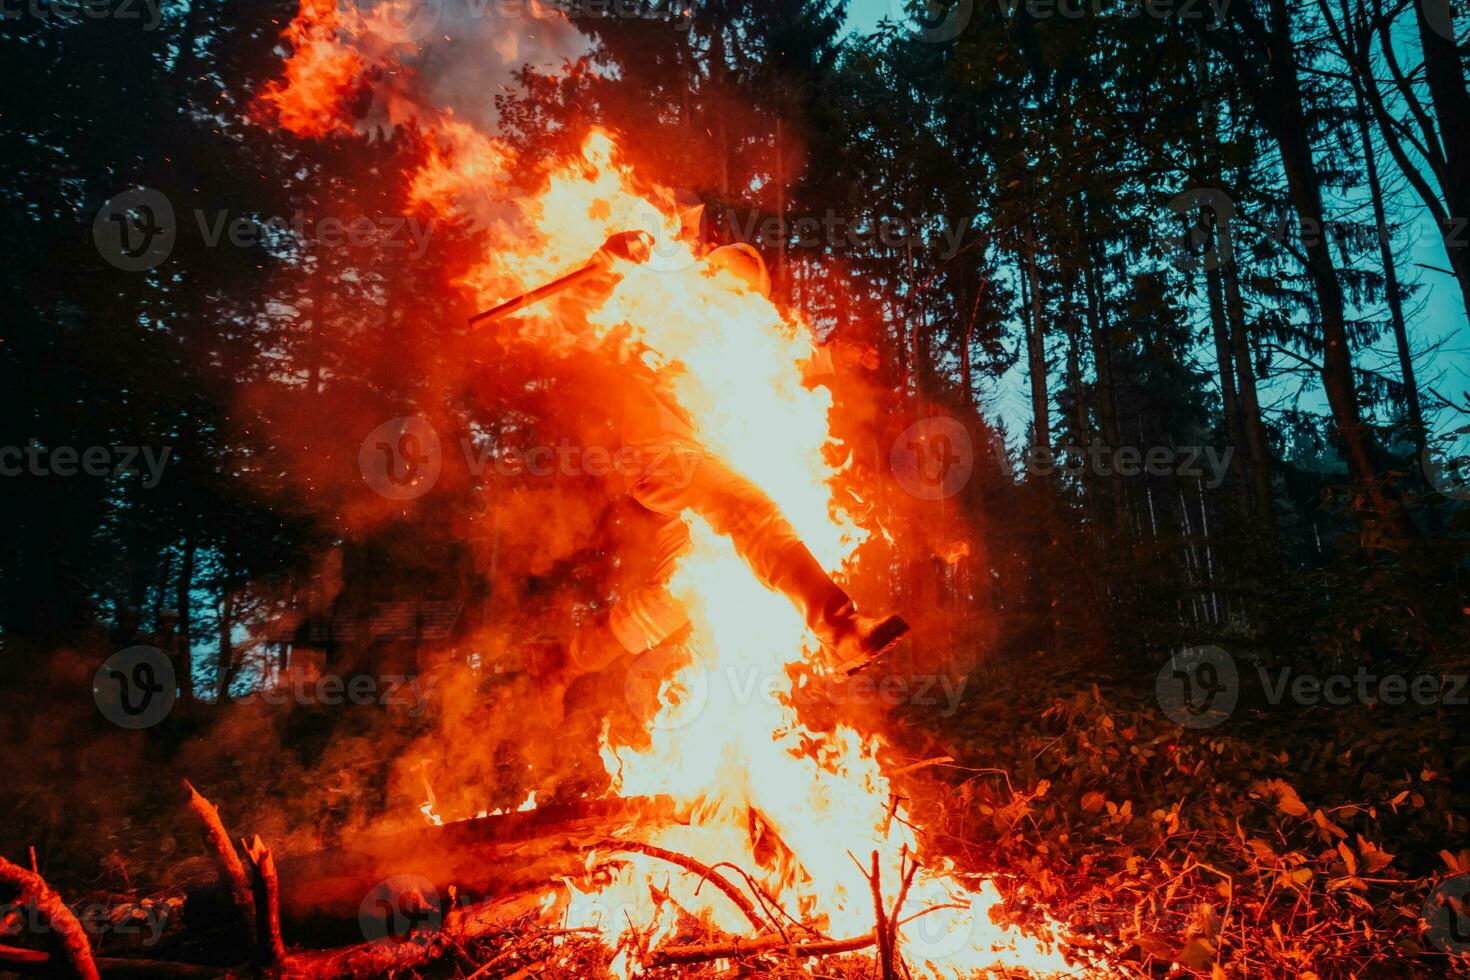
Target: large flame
pixel 307 99
pixel 798 810
pixel 728 740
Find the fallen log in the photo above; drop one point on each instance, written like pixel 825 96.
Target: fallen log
pixel 322 893
pixel 73 948
pixel 34 962
pixel 364 961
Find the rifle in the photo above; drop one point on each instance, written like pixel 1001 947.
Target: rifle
pixel 630 246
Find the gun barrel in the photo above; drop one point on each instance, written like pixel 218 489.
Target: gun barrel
pixel 631 246
pixel 536 295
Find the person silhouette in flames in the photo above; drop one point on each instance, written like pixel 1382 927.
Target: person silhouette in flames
pixel 676 473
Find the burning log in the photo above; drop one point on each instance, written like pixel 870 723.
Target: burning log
pixel 322 893
pixel 70 941
pixel 707 873
pixel 687 955
pixel 507 916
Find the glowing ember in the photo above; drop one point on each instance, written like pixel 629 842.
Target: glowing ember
pixel 734 760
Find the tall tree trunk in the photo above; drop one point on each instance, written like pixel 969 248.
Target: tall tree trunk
pixel 316 340
pixel 967 383
pixel 1280 103
pixel 1250 403
pixel 1230 401
pixel 163 571
pixel 1353 34
pixel 1036 347
pixel 1081 416
pixel 778 277
pixel 1412 406
pixel 1102 366
pixel 185 605
pixel 1039 591
pixel 722 130
pixel 967 340
pixel 1210 163
pixel 1444 76
pixel 226 627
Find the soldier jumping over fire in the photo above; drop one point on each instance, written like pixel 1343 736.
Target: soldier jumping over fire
pixel 689 477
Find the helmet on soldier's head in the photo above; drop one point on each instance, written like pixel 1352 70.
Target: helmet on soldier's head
pixel 745 263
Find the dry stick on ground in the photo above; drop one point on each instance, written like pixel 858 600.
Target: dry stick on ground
pixel 496 960
pixel 903 895
pixel 881 928
pixel 677 955
pixel 226 861
pixel 267 892
pixel 768 902
pixel 67 937
pixel 684 955
pixel 704 871
pixel 36 963
pixel 938 760
pixel 893 801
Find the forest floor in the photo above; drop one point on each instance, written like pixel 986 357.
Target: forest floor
pixel 1164 851
pixel 1220 850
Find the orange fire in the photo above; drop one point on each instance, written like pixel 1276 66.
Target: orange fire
pixel 307 100
pixel 718 743
pixel 727 742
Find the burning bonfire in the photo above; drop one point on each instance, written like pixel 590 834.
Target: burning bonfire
pixel 788 838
